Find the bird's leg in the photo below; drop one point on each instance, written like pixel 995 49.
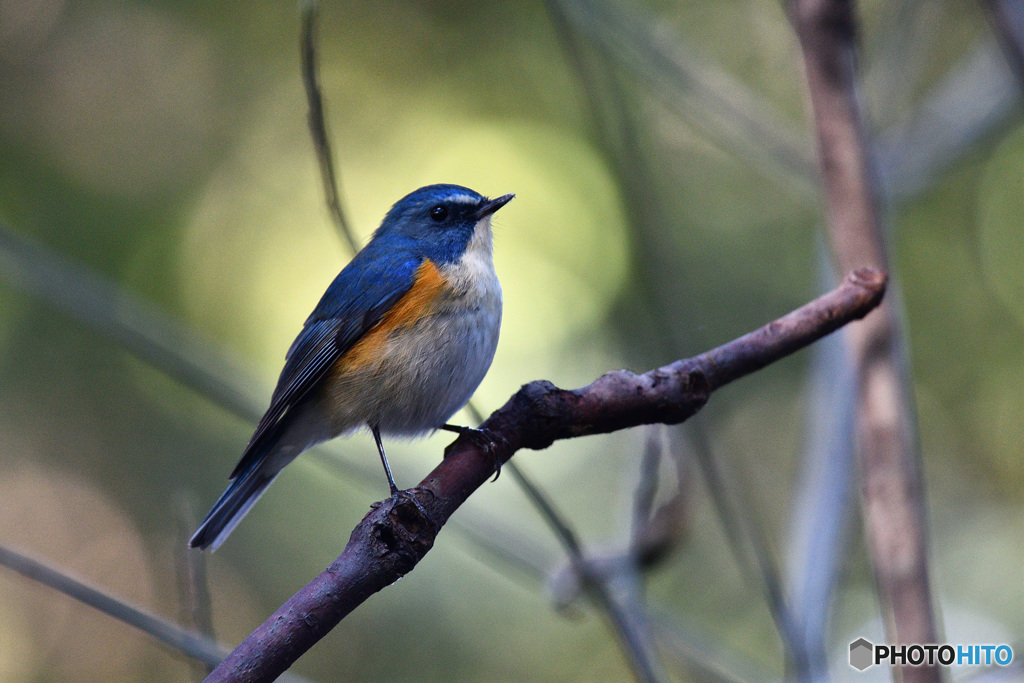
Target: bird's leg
pixel 384 459
pixel 484 438
pixel 395 493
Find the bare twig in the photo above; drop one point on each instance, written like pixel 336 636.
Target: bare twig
pixel 638 650
pixel 318 124
pixel 193 644
pixel 754 558
pixel 666 524
pixel 193 589
pixel 141 329
pixel 892 492
pixel 180 640
pixel 646 488
pixel 396 534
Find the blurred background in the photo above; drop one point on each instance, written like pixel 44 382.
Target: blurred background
pixel 157 182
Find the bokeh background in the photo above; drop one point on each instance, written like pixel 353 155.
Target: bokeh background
pixel 665 205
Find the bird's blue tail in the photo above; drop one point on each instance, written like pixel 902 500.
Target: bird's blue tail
pixel 231 507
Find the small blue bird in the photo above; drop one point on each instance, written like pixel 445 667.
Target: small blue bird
pixel 398 343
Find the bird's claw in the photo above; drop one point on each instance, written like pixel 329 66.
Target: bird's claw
pixel 486 439
pixel 398 495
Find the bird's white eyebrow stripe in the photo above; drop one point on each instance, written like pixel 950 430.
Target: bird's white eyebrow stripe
pixel 464 199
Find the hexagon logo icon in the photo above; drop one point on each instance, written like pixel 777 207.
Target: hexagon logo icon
pixel 861 651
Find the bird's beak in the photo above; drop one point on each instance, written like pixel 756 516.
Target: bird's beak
pixel 491 205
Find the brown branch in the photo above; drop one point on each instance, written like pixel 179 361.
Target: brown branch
pixel 396 534
pixel 892 492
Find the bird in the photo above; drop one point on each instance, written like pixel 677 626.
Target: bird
pixel 398 343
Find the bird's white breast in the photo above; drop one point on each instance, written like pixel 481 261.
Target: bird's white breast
pixel 429 370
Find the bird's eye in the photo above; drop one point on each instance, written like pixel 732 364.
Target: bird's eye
pixel 439 213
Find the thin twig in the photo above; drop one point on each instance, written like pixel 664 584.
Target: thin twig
pixel 642 659
pixel 190 643
pixel 180 640
pixel 760 568
pixel 637 650
pixel 318 123
pixel 666 524
pixel 193 587
pixel 892 491
pixel 646 486
pixel 397 533
pixel 141 329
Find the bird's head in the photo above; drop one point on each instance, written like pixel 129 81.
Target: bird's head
pixel 441 220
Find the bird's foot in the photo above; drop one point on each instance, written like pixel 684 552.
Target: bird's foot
pixel 397 496
pixel 397 507
pixel 484 438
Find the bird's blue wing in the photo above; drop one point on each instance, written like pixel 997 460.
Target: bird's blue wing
pixel 356 301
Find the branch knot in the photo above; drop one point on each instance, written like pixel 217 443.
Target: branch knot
pixel 404 530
